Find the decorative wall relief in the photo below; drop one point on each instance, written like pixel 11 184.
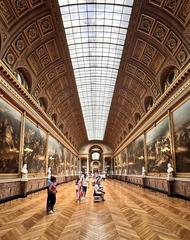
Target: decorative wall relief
pixel 34 148
pixel 181 119
pixel 55 156
pixel 158 147
pixel 10 120
pixel 135 155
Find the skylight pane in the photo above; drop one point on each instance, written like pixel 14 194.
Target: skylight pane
pixel 96 32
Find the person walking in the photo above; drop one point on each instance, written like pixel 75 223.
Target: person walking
pixel 84 185
pixel 52 190
pixel 78 189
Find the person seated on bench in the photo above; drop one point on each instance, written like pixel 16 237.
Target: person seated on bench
pixel 98 190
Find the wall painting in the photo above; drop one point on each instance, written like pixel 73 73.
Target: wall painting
pixel 158 147
pixel 181 120
pixel 34 148
pixel 135 155
pixel 55 156
pixel 10 121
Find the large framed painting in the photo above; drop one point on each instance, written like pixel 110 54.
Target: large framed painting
pixel 116 163
pixel 68 159
pixel 135 155
pixel 108 165
pixel 55 156
pixel 181 121
pixel 76 165
pixel 123 157
pixel 34 148
pixel 72 163
pixel 10 121
pixel 158 147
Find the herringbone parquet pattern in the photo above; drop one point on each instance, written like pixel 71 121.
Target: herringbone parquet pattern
pixel 129 212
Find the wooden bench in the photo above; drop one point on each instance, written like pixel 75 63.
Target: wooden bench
pixel 97 198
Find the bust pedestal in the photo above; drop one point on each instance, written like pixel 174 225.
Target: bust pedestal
pixel 23 187
pixel 170 185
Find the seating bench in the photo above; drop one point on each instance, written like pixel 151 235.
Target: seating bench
pixel 97 198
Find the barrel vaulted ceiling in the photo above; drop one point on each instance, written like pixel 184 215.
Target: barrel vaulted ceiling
pixel 33 40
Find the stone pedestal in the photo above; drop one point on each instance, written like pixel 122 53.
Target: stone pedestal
pixel 23 188
pixel 143 182
pixel 170 184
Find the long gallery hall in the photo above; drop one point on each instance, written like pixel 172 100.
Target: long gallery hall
pixel 92 93
pixel 128 212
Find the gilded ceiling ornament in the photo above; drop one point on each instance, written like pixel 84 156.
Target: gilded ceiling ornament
pixel 4 36
pixel 160 32
pixel 10 58
pixel 172 4
pixel 186 10
pixel 172 43
pixel 46 60
pixel 42 83
pixel 146 24
pixel 21 5
pixel 4 9
pixel 32 33
pixel 20 45
pixel 182 56
pixel 41 51
pixel 51 74
pixel 46 25
pixel 148 82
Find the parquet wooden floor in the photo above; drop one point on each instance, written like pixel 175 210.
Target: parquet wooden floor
pixel 129 212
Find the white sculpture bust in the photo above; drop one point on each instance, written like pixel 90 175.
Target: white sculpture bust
pixel 143 171
pixel 24 172
pixel 170 171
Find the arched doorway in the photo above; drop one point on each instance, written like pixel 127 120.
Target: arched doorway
pixel 95 159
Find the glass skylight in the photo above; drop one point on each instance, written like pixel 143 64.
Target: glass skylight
pixel 96 32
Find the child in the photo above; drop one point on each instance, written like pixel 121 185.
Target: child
pixel 78 187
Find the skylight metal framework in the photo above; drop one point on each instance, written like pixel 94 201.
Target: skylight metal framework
pixel 96 32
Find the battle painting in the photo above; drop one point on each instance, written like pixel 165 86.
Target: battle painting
pixel 158 147
pixel 10 121
pixel 181 120
pixel 34 148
